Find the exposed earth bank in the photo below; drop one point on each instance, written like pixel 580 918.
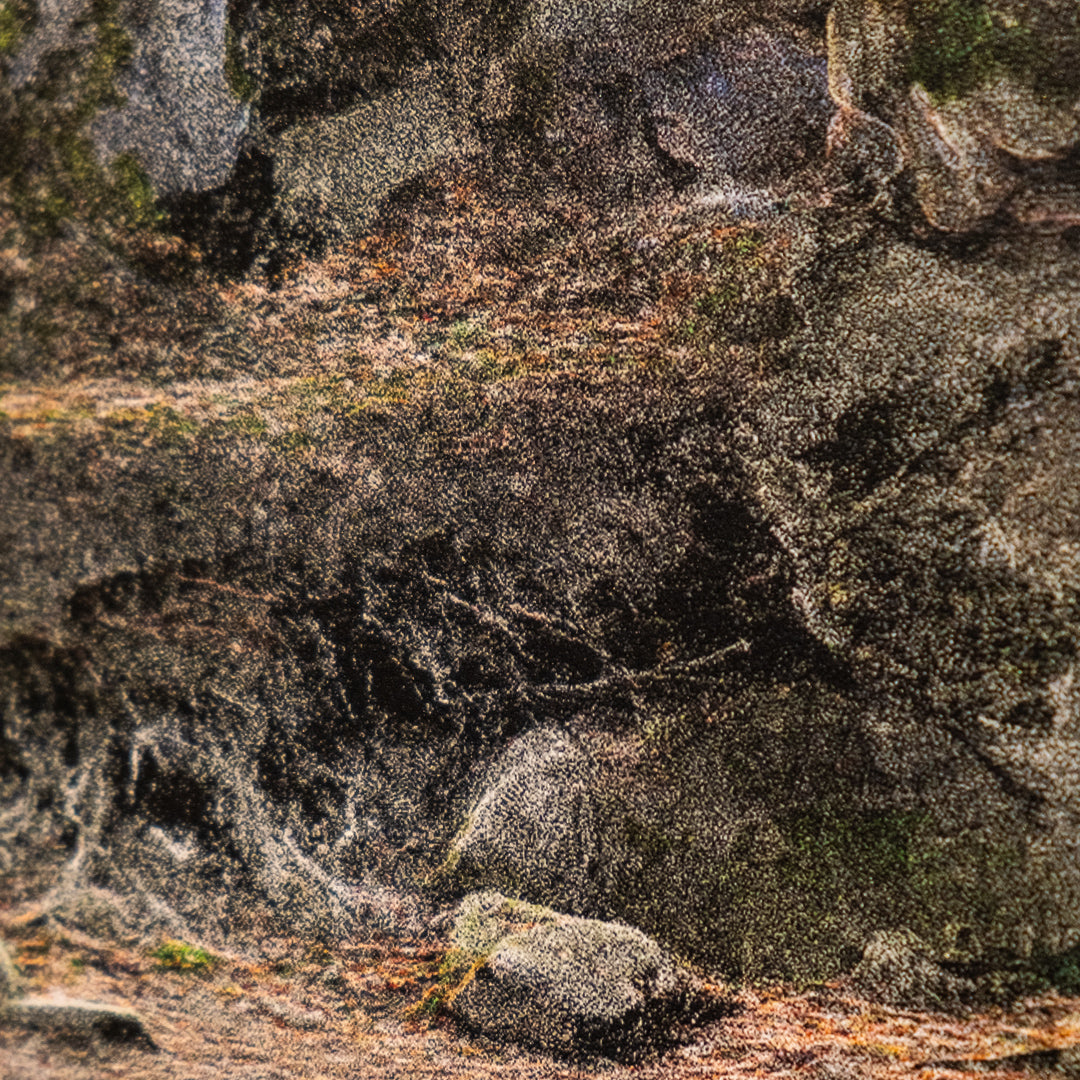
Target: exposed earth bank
pixel 598 510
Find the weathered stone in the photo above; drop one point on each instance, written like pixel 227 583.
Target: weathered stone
pixel 568 985
pixel 77 1019
pixel 897 969
pixel 179 116
pixel 863 149
pixel 331 175
pixel 644 32
pixel 9 976
pixel 922 471
pixel 532 831
pixel 483 919
pixel 977 94
pixel 752 107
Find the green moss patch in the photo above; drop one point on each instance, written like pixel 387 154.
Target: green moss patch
pixel 956 45
pixel 17 19
pixel 179 956
pixel 50 172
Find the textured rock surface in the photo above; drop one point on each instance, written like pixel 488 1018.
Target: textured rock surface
pixel 181 119
pixel 922 472
pixel 532 832
pixel 10 981
pixel 750 109
pixel 897 969
pixel 616 102
pixel 76 1019
pixel 176 114
pixel 793 551
pixel 568 985
pixel 983 99
pixel 332 175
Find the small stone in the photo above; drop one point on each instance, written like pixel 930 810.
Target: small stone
pixel 571 986
pixel 294 1015
pixel 897 969
pixel 82 1019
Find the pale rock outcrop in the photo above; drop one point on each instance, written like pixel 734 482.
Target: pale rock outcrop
pixel 178 117
pixel 533 828
pixel 568 985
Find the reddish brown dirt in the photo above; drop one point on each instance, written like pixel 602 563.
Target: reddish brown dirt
pixel 307 1010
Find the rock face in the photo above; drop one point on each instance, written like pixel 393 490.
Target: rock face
pixel 922 471
pixel 176 113
pixel 567 985
pixel 749 109
pixel 182 119
pixel 915 447
pixel 332 175
pixel 616 102
pixel 982 99
pixel 533 830
pixel 820 597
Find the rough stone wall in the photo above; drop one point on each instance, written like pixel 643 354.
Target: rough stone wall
pixel 811 623
pixel 980 100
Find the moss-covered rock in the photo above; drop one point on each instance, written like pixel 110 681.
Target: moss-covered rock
pixel 105 81
pixel 982 98
pixel 903 432
pixel 181 117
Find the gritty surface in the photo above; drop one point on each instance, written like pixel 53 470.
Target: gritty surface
pixel 293 1009
pixel 457 314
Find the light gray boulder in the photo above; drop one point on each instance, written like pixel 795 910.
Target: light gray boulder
pixel 179 116
pixel 181 120
pixel 533 829
pixel 568 985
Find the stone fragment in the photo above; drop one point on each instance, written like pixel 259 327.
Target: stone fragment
pixel 79 1019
